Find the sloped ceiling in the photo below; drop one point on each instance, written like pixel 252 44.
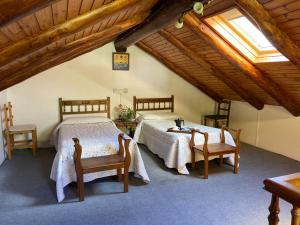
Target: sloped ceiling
pixel 36 35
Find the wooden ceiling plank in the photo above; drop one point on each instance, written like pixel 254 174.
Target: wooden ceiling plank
pixel 86 6
pixel 236 87
pixel 35 61
pixel 270 29
pixel 261 79
pixel 26 46
pixel 73 8
pixel 13 10
pixel 60 11
pixel 180 72
pixel 44 18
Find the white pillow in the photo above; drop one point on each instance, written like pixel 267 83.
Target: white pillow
pixel 86 119
pixel 158 116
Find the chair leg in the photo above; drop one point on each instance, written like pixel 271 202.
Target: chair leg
pixel 221 160
pixel 205 167
pixel 9 147
pixel 119 173
pixel 34 142
pixel 80 186
pixel 126 179
pixel 236 163
pixel 193 159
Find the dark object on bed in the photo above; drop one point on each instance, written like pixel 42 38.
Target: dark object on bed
pixel 179 123
pixel 216 149
pixel 288 188
pixel 102 163
pixel 153 104
pixel 222 115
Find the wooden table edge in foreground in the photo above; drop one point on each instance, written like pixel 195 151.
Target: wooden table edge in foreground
pixel 288 188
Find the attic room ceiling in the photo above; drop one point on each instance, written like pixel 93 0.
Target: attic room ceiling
pixel 36 35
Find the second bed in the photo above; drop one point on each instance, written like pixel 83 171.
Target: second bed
pixel 173 148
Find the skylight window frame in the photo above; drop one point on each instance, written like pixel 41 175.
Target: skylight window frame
pixel 241 40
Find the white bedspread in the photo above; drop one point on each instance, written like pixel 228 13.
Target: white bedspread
pixel 96 139
pixel 174 147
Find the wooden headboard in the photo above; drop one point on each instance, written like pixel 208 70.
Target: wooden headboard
pixel 153 104
pixel 71 107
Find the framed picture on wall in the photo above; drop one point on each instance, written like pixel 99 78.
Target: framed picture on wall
pixel 120 61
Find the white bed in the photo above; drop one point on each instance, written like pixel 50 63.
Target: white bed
pixel 98 136
pixel 173 148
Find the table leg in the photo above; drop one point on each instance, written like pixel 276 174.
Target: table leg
pixel 295 215
pixel 274 211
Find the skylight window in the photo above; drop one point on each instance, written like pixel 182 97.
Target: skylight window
pixel 245 36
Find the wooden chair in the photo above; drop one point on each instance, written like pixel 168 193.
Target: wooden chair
pixel 216 149
pixel 102 163
pixel 222 115
pixel 28 130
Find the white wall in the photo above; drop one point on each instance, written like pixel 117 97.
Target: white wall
pixel 272 128
pixel 3 100
pixel 91 76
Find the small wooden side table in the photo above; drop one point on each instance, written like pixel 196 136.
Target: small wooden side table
pixel 288 188
pixel 127 126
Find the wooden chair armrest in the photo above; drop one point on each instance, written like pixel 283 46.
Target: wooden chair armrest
pixel 124 145
pixel 236 131
pixel 192 142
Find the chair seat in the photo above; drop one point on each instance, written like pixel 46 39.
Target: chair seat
pixel 217 148
pixel 216 117
pixel 93 164
pixel 22 128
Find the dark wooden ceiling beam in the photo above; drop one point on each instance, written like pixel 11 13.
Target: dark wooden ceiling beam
pixel 164 13
pixel 180 72
pixel 116 29
pixel 12 10
pixel 31 44
pixel 223 77
pixel 271 30
pixel 261 79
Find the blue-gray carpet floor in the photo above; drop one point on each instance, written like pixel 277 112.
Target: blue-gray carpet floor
pixel 27 195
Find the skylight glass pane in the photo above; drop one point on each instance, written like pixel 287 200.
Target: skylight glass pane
pixel 254 35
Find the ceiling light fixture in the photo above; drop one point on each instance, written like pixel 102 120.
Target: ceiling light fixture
pixel 198 7
pixel 179 23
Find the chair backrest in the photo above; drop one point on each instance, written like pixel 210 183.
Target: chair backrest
pixel 224 108
pixel 8 117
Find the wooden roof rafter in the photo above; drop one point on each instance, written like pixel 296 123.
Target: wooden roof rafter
pixel 182 73
pixel 244 94
pixel 36 60
pixel 31 44
pixel 240 62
